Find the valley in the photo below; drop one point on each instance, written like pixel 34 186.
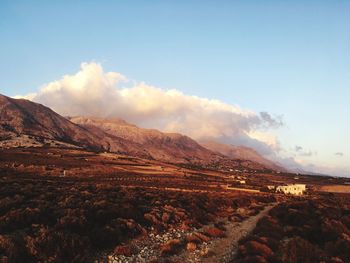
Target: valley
pixel 74 205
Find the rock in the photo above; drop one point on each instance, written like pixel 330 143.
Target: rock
pixel 123 250
pixel 214 232
pixel 171 247
pixel 191 246
pixel 193 239
pixel 202 237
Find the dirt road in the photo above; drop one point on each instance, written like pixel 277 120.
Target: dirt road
pixel 225 249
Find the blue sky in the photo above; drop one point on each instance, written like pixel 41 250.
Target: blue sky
pixel 289 58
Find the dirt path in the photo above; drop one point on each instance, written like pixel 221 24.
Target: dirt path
pixel 225 249
pixel 220 250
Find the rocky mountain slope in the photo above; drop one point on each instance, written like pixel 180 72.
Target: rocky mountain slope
pixel 170 147
pixel 25 123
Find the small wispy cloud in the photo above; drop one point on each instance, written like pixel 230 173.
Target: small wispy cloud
pixel 340 154
pixel 275 122
pixel 299 150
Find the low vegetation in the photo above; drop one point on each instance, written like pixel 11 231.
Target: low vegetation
pixel 51 219
pixel 301 230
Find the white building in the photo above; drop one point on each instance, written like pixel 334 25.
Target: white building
pixel 294 189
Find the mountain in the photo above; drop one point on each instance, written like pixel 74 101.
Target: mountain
pixel 169 147
pixel 25 123
pixel 22 117
pixel 241 153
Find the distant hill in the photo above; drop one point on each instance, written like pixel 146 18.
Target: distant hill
pixel 242 153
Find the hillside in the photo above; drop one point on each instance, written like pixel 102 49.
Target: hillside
pixel 25 123
pixel 241 153
pixel 169 147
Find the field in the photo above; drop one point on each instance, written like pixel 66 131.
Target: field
pixel 335 188
pixel 70 205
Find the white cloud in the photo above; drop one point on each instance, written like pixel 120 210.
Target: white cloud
pixel 93 92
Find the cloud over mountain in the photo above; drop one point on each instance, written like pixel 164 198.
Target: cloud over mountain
pixel 93 92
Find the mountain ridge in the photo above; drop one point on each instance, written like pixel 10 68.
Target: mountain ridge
pixel 23 118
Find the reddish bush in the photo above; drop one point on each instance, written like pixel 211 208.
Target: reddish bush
pixel 214 232
pixel 14 249
pixel 52 246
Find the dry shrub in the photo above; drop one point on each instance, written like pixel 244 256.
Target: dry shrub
pixel 14 249
pixel 297 249
pixel 340 248
pixel 53 246
pixel 268 226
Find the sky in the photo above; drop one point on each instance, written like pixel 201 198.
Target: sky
pixel 288 59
